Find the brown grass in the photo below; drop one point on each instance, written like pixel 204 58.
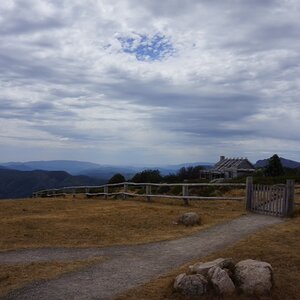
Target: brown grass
pixel 84 222
pixel 278 245
pixel 80 222
pixel 16 276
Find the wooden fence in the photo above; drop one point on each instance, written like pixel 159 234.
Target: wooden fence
pixel 277 200
pixel 124 191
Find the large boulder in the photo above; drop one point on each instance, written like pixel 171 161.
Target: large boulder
pixel 254 277
pixel 202 268
pixel 221 281
pixel 189 219
pixel 191 285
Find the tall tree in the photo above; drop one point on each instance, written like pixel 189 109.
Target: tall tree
pixel 274 167
pixel 189 173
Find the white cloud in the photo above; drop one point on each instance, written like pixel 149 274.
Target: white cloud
pixel 231 80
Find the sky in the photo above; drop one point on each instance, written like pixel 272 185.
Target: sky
pixel 148 81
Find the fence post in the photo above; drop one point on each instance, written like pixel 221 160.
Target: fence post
pixel 105 191
pixel 148 192
pixel 125 191
pixel 185 192
pixel 289 201
pixel 249 192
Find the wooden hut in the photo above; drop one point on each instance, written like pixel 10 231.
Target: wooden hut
pixel 229 168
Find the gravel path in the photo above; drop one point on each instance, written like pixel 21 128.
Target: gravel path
pixel 129 266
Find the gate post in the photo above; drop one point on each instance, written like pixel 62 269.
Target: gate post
pixel 185 193
pixel 105 191
pixel 249 192
pixel 125 190
pixel 148 192
pixel 290 194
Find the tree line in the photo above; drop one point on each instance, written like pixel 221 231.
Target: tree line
pixel 273 169
pixel 154 176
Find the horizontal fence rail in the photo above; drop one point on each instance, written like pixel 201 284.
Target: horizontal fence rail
pixel 103 190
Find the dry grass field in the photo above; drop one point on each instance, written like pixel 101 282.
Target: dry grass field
pixel 80 222
pixel 278 245
pixel 84 222
pixel 19 275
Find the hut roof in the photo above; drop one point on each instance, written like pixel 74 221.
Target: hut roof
pixel 233 163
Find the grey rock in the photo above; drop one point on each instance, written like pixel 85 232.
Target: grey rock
pixel 221 281
pixel 190 219
pixel 254 277
pixel 191 285
pixel 202 268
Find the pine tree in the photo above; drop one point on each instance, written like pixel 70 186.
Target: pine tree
pixel 274 167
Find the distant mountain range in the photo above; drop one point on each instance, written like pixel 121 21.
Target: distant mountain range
pixel 103 172
pixel 285 163
pixel 19 184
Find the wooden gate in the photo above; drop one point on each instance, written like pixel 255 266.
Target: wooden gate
pixel 275 200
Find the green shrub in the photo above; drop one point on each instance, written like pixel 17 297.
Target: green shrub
pixel 163 190
pixel 117 178
pixel 152 176
pixel 176 190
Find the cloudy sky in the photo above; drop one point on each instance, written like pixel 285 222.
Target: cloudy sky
pixel 149 81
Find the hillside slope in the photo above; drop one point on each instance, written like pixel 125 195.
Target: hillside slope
pixel 19 184
pixel 71 166
pixel 287 163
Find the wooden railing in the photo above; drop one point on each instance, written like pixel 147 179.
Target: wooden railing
pixel 105 191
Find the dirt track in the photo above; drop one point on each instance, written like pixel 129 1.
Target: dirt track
pixel 128 266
